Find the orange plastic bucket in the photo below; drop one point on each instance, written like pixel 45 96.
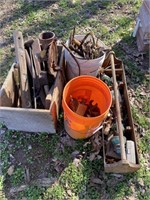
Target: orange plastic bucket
pixel 77 126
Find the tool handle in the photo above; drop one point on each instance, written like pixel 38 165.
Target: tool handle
pixel 118 112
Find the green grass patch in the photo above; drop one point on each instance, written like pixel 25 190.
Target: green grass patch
pixel 32 193
pixel 74 178
pixel 17 177
pixel 140 118
pixel 55 192
pixel 144 143
pixel 121 189
pixel 146 105
pixel 2 195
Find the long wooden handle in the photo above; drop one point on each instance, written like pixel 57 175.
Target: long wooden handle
pixel 118 112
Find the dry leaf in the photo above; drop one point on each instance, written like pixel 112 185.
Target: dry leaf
pixel 96 181
pixel 69 192
pixel 59 165
pixel 93 155
pixel 106 128
pixel 85 145
pixel 143 93
pixel 67 141
pixel 44 182
pixel 96 141
pixel 15 190
pixel 74 154
pixel 117 175
pixel 141 182
pixel 24 198
pixel 99 157
pixel 27 174
pixel 77 162
pixel 10 170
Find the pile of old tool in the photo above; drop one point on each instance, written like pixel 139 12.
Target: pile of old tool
pixel 84 107
pixel 86 48
pixel 35 72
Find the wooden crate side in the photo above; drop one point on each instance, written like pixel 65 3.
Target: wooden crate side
pixel 121 167
pixel 29 120
pixel 7 90
pixel 57 91
pixel 130 118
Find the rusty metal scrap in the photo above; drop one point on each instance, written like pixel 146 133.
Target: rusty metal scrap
pixel 83 107
pixel 86 48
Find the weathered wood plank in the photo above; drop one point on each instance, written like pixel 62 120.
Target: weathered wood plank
pixel 52 57
pixel 29 120
pixel 7 90
pixel 57 91
pixel 48 98
pixel 123 166
pixel 21 60
pixel 36 49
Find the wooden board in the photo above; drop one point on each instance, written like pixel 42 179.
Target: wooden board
pixel 57 91
pixel 21 60
pixel 29 120
pixel 7 90
pixel 36 49
pixel 122 166
pixel 48 98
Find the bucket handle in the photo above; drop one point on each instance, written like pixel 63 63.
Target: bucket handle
pixel 73 58
pixel 96 130
pixel 100 127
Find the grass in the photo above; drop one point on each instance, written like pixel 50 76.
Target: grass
pixel 113 22
pixel 75 179
pixel 140 118
pixel 17 177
